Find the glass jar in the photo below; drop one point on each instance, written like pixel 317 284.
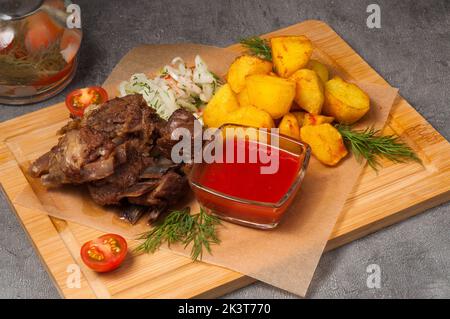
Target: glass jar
pixel 241 191
pixel 39 44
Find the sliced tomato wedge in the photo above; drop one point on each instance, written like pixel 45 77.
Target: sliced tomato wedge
pixel 70 43
pixel 105 253
pixel 42 32
pixel 77 101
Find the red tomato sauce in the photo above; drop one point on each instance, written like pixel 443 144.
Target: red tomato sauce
pixel 244 180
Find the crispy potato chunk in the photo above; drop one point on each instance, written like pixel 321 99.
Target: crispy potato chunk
pixel 289 126
pixel 222 103
pixel 290 53
pixel 304 118
pixel 345 101
pixel 300 116
pixel 326 143
pixel 312 119
pixel 271 94
pixel 224 108
pixel 309 93
pixel 250 116
pixel 242 67
pixel 320 69
pixel 243 98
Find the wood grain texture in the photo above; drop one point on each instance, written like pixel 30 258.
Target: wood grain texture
pixel 397 192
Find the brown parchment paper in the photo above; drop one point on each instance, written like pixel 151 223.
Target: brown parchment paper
pixel 285 257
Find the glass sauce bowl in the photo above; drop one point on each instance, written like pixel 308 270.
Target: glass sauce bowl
pixel 38 49
pixel 230 190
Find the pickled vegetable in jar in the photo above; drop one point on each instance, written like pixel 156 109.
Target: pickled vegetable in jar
pixel 38 49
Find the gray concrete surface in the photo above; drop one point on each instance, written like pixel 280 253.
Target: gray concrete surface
pixel 411 51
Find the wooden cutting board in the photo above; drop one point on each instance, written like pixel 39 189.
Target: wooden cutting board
pixel 397 192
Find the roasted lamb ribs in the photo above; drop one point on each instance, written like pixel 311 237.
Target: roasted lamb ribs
pixel 121 151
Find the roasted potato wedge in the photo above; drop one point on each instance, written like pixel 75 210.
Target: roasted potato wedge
pixel 304 118
pixel 271 94
pixel 242 67
pixel 326 143
pixel 346 102
pixel 223 103
pixel 250 116
pixel 309 93
pixel 300 116
pixel 319 68
pixel 290 53
pixel 289 126
pixel 243 98
pixel 312 119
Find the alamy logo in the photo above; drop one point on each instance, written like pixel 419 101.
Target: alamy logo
pixel 374 279
pixel 374 19
pixel 74 18
pixel 73 280
pixel 227 146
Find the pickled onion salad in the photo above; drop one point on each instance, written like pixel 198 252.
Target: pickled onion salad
pixel 177 86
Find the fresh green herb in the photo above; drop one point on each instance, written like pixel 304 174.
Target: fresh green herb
pixel 258 46
pixel 372 146
pixel 367 143
pixel 197 101
pixel 181 227
pixel 217 79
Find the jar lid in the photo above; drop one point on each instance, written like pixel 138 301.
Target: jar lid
pixel 13 9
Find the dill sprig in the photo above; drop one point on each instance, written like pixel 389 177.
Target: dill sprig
pixel 369 144
pixel 258 46
pixel 181 227
pixel 21 67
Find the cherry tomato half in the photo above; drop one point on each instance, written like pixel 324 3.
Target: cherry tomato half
pixel 105 253
pixel 77 101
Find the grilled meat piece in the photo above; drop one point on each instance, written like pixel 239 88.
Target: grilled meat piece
pixel 179 119
pixel 92 147
pixel 170 188
pixel 118 151
pixel 132 213
pixel 158 169
pixel 111 189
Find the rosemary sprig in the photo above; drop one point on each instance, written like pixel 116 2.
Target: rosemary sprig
pixel 258 46
pixel 181 227
pixel 372 146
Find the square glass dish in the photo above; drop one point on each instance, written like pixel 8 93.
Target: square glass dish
pixel 253 177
